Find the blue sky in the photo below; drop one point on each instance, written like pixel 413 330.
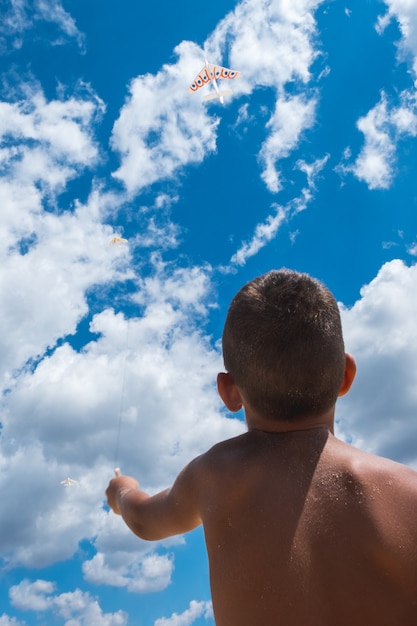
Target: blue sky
pixel 109 353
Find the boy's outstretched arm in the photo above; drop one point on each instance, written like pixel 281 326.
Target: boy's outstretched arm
pixel 171 512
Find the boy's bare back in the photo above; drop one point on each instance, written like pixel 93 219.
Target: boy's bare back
pixel 301 528
pixel 304 530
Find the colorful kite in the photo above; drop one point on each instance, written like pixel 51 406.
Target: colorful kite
pixel 212 73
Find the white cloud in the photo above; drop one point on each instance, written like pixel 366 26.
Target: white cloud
pixel 123 560
pixel 383 127
pixel 49 258
pixel 188 617
pixel 33 596
pixel 380 331
pixel 44 287
pixel 270 41
pixel 264 233
pixel 139 573
pixel 374 165
pixel 76 607
pixel 166 373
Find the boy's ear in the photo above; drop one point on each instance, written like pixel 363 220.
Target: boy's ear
pixel 229 392
pixel 350 371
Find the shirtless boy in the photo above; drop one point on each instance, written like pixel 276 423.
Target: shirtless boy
pixel 301 529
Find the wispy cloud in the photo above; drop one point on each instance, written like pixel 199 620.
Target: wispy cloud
pixel 20 16
pixel 292 116
pixel 263 234
pixel 267 230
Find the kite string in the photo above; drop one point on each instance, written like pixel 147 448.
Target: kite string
pixel 122 402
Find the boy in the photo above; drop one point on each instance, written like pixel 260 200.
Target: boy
pixel 301 529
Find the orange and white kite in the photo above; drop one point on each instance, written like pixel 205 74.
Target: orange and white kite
pixel 213 73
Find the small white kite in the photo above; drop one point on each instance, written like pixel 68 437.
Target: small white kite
pixel 68 482
pixel 212 73
pixel 117 241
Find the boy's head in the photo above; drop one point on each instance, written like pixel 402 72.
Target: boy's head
pixel 283 345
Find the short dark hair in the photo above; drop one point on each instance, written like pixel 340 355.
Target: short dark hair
pixel 283 345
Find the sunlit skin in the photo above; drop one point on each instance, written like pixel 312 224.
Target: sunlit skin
pixel 301 528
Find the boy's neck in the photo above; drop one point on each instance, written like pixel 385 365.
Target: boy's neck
pixel 257 422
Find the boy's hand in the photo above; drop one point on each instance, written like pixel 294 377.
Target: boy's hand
pixel 117 488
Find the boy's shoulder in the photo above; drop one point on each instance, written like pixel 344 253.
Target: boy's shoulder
pixel 225 450
pixel 374 467
pixel 223 458
pixel 389 487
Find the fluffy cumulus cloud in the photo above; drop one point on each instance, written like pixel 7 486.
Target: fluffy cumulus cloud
pixel 188 617
pixel 133 570
pixel 50 256
pixel 122 560
pixel 161 369
pixel 380 331
pixel 76 607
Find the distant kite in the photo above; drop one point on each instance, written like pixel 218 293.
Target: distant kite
pixel 68 482
pixel 117 240
pixel 212 73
